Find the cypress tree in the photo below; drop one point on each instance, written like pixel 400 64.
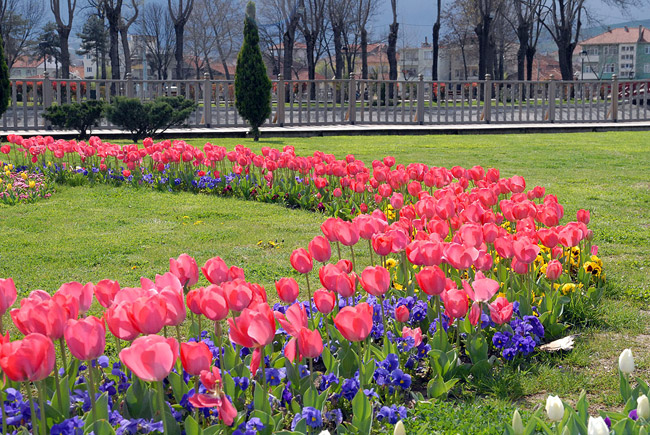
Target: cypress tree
pixel 252 84
pixel 4 80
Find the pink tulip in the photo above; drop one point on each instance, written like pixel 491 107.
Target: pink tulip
pixel 43 317
pixel 347 233
pixel 416 334
pixel 105 292
pixel 8 294
pixel 148 313
pixel 176 312
pixel 195 357
pixel 431 280
pixel 212 303
pixel 293 320
pixel 287 289
pixel 185 269
pixel 151 358
pixel 310 343
pixel 325 301
pixel 482 289
pixel 553 270
pixel 583 216
pixel 375 280
pixel 320 249
pixel 215 270
pixel 214 397
pixel 119 322
pixel 475 314
pixel 82 293
pixel 255 327
pixel 402 314
pixel 355 323
pixel 193 300
pixel 301 260
pixel 86 338
pixel 501 310
pixel 334 279
pixel 456 303
pixel 238 294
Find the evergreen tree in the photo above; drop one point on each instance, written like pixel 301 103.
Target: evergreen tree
pixel 93 39
pixel 252 84
pixel 4 80
pixel 47 46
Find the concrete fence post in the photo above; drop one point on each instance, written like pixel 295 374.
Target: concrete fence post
pixel 280 101
pixel 487 99
pixel 207 100
pixel 352 99
pixel 47 96
pixel 614 97
pixel 129 85
pixel 551 99
pixel 420 108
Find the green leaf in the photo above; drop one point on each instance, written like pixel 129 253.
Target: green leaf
pixel 64 406
pixel 179 387
pixel 261 399
pixel 267 421
pixel 362 413
pixel 624 386
pixel 478 348
pixel 229 358
pixel 330 362
pixel 101 427
pixel 191 426
pixel 101 409
pixel 311 397
pixel 349 363
pixel 139 399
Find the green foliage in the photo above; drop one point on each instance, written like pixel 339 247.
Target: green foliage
pixel 4 80
pixel 76 116
pixel 150 118
pixel 252 84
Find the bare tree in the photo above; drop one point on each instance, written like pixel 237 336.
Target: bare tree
pixel 63 28
pixel 391 52
pixel 312 28
pixel 125 24
pixel 113 11
pixel 485 12
pixel 157 36
pixel 225 19
pixel 339 13
pixel 365 9
pixel 460 32
pixel 526 19
pixel 179 16
pixel 272 28
pixel 19 24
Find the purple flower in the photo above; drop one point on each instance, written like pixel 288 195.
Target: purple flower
pixel 400 379
pixel 312 417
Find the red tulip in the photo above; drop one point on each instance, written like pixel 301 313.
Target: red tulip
pixel 212 303
pixel 347 233
pixel 525 251
pixel 119 322
pixel 310 343
pixel 519 267
pixel 424 253
pixel 320 249
pixel 193 300
pixel 382 244
pixel 503 246
pixel 287 289
pixel 416 334
pixel 151 358
pixel 29 359
pixel 215 397
pixel 475 314
pixel 327 228
pixel 583 216
pixel 176 312
pixel 235 273
pixel 68 302
pixel 185 269
pixel 375 280
pixel 105 292
pixel 402 314
pixel 553 270
pixel 460 257
pixel 501 310
pixel 82 293
pixel 7 294
pixel 431 280
pixel 238 294
pixel 456 303
pixel 86 338
pixel 293 320
pixel 148 313
pixel 355 323
pixel 324 300
pixel 301 260
pixel 195 357
pixel 397 200
pixel 215 270
pixel 255 327
pixel 344 265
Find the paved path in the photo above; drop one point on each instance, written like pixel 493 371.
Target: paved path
pixel 363 129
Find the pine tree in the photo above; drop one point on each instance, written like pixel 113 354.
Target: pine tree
pixel 252 84
pixel 93 39
pixel 4 80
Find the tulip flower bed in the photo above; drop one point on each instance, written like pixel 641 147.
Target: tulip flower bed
pixel 467 272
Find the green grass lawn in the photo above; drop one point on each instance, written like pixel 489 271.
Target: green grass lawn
pixel 88 234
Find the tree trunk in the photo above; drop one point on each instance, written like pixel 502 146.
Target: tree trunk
pixel 364 54
pixel 483 34
pixel 522 35
pixel 179 30
pixel 530 56
pixel 435 41
pixel 287 40
pixel 103 64
pixel 338 51
pixel 114 52
pixel 127 51
pixel 391 53
pixel 310 42
pixel 64 33
pixel 565 55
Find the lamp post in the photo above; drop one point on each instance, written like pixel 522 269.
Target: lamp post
pixel 583 54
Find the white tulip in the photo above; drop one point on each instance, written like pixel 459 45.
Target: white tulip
pixel 325 432
pixel 554 408
pixel 399 429
pixel 626 361
pixel 643 407
pixel 517 424
pixel 597 426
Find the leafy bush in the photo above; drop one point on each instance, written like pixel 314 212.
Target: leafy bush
pixel 151 118
pixel 76 116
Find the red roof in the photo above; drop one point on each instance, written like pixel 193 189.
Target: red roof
pixel 620 35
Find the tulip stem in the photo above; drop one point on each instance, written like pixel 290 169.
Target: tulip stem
pixel 383 316
pixel 219 333
pixel 91 387
pixel 63 357
pixel 263 364
pixel 372 260
pixel 360 368
pixel 353 261
pixel 338 249
pixel 311 372
pixel 31 406
pixel 178 360
pixel 161 400
pixel 311 313
pixel 58 390
pixel 196 393
pixel 198 334
pixel 41 404
pixel 4 411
